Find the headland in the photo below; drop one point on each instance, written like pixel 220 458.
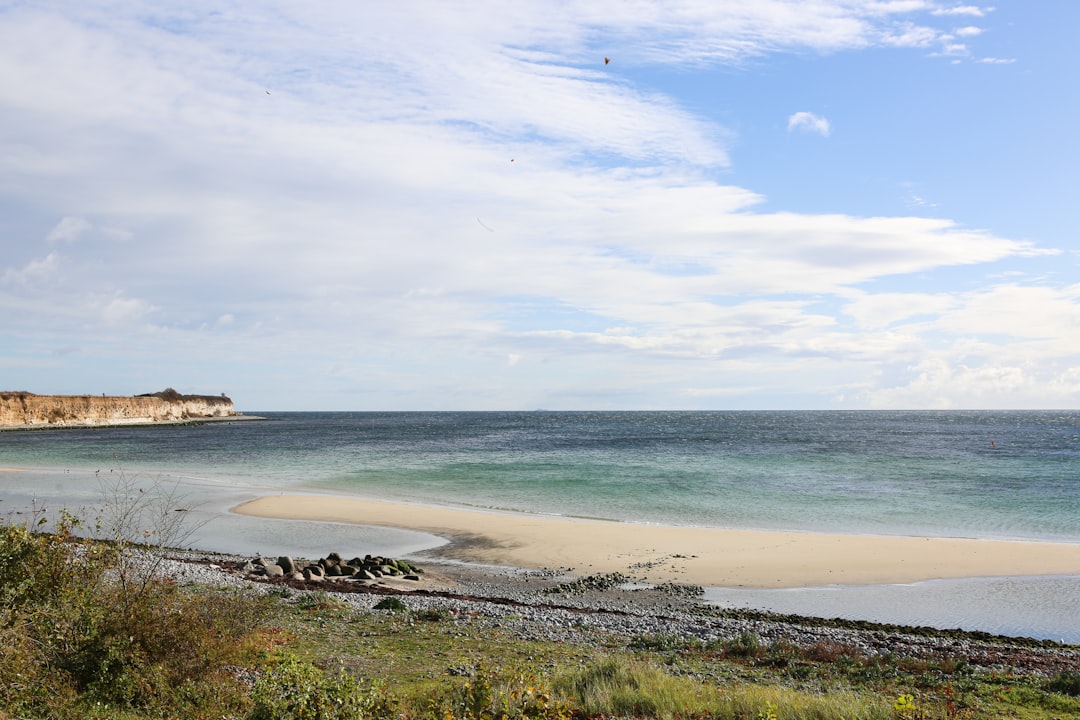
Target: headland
pixel 25 410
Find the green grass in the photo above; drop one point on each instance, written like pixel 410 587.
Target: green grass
pixel 79 641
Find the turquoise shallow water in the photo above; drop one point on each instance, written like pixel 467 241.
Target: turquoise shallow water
pixel 977 474
pixel 972 474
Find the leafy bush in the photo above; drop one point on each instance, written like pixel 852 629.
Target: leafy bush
pixel 748 645
pixel 47 586
pixel 141 648
pixel 489 695
pixel 297 690
pixel 84 621
pixel 1066 682
pixel 392 604
pixel 319 600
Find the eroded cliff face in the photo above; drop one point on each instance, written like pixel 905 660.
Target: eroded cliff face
pixel 26 409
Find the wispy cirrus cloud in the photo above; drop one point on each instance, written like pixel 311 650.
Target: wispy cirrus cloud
pixel 962 10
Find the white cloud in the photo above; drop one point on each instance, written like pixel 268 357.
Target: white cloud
pixel 968 10
pixel 941 383
pixel 121 310
pixel 808 122
pixel 880 310
pixel 1019 312
pixel 69 229
pixel 953 49
pixel 912 36
pixel 427 197
pixel 35 274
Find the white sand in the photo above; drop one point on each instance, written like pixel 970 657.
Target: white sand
pixel 703 556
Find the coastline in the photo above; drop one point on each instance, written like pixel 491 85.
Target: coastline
pixel 712 557
pixel 134 422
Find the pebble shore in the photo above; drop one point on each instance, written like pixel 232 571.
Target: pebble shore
pixel 555 605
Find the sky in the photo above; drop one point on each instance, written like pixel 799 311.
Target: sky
pixel 778 204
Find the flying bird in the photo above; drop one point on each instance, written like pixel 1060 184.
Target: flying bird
pixel 607 60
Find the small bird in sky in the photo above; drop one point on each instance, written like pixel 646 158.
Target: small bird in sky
pixel 607 60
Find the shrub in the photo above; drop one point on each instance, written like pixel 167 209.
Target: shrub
pixel 831 652
pixel 48 585
pixel 319 600
pixel 28 688
pixel 392 604
pixel 1066 682
pixel 143 647
pixel 748 645
pixel 435 615
pixel 297 690
pixel 76 625
pixel 489 695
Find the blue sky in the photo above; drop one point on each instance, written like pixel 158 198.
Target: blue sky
pixel 440 205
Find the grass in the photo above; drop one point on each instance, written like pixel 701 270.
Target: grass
pixel 424 657
pixel 81 638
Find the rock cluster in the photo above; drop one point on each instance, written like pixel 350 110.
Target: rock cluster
pixel 618 581
pixel 607 581
pixel 332 568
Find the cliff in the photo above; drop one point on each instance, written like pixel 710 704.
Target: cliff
pixel 21 409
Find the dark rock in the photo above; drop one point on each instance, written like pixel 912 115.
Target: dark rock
pixel 608 581
pixel 287 564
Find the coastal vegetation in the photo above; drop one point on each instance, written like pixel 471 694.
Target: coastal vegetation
pixel 89 629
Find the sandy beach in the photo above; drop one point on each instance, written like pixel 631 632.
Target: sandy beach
pixel 702 556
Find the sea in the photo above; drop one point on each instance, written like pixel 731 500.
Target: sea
pixel 977 474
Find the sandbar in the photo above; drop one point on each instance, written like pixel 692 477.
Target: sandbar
pixel 712 557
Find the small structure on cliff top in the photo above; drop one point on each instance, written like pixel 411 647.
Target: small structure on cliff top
pixel 24 409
